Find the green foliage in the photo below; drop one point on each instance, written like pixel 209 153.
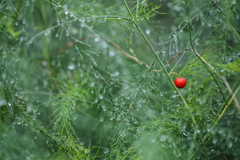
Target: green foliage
pixel 70 90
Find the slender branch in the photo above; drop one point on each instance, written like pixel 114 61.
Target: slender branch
pixel 125 53
pixel 224 110
pixel 68 45
pixel 174 73
pixel 160 62
pixel 234 88
pixel 200 136
pixel 87 115
pixel 71 44
pixel 221 77
pixel 225 100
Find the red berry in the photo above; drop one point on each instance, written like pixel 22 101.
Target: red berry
pixel 180 82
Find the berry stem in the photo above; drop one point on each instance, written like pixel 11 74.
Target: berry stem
pixel 174 73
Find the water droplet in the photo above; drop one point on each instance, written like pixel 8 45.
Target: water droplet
pixel 147 31
pixel 96 39
pixel 92 84
pixel 163 138
pixel 44 63
pixel 111 53
pixel 71 66
pixel 116 73
pixel 105 151
pixel 131 50
pixel 230 144
pixel 215 140
pixel 177 8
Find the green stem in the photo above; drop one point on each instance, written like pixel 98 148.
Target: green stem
pixel 200 136
pixel 174 73
pixel 155 54
pixel 234 88
pixel 215 80
pixel 224 110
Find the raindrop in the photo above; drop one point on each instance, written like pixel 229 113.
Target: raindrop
pixel 111 53
pixel 104 45
pixel 24 21
pixel 116 73
pixel 177 8
pixel 96 39
pixel 71 66
pixel 215 140
pixel 123 134
pixel 163 138
pixel 58 20
pixel 147 31
pixel 105 151
pixel 131 50
pixel 44 63
pixel 177 153
pixel 230 144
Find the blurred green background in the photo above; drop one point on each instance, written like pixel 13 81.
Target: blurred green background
pixel 70 91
